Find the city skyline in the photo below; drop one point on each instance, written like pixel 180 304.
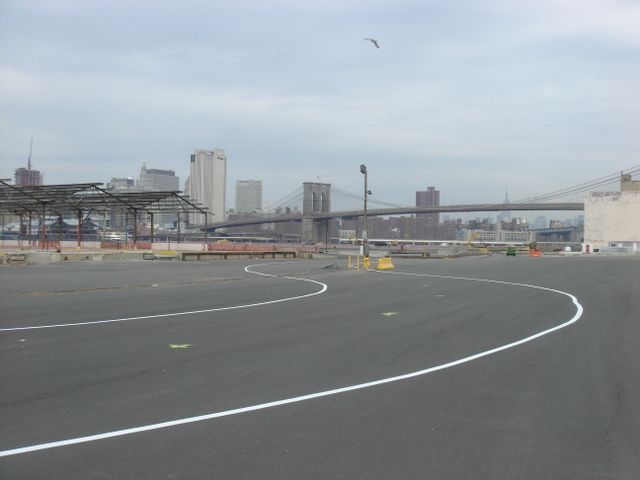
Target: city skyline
pixel 166 180
pixel 476 97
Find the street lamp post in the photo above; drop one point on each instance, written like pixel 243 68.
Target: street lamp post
pixel 365 241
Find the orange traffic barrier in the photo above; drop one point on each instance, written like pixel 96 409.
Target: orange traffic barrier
pixel 535 253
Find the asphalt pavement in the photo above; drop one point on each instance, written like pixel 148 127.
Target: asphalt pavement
pixel 482 367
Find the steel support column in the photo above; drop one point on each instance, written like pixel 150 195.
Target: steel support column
pixel 79 228
pixel 135 227
pixel 43 229
pixel 60 231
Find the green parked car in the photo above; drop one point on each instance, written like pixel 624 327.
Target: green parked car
pixel 511 251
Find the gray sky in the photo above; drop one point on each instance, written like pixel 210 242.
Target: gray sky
pixel 473 97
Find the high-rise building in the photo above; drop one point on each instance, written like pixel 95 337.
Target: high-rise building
pixel 207 184
pixel 27 177
pixel 248 196
pixel 429 198
pixel 505 215
pixel 156 180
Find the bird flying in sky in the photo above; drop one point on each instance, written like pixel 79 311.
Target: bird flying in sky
pixel 374 41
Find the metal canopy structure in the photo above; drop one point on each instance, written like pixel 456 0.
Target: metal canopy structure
pixel 83 199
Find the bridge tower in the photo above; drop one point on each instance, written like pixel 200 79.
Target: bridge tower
pixel 316 198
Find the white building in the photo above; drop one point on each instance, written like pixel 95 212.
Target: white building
pixel 207 184
pixel 248 196
pixel 611 218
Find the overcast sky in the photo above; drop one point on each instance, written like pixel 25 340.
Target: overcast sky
pixel 473 97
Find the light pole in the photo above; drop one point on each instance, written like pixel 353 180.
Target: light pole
pixel 365 241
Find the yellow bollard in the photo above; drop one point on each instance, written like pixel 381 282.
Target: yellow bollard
pixel 385 264
pixel 358 263
pixel 349 262
pixel 366 264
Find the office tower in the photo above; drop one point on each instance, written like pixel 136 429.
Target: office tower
pixel 248 196
pixel 156 180
pixel 505 215
pixel 429 198
pixel 207 184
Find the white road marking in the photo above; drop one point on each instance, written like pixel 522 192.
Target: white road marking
pixel 193 312
pixel 311 396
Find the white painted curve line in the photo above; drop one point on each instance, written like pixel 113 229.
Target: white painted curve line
pixel 311 396
pixel 473 279
pixel 192 312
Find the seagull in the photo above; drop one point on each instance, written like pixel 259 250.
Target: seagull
pixel 374 41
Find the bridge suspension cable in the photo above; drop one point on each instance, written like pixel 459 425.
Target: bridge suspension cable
pixel 355 196
pixel 583 187
pixel 289 200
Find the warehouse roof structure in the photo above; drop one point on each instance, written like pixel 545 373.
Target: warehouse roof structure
pixel 80 199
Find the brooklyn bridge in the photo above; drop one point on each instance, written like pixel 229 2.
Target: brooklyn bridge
pixel 316 210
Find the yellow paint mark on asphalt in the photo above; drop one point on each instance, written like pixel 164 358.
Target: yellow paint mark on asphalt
pixel 166 252
pixel 179 345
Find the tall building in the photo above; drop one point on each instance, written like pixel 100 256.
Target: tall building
pixel 26 177
pixel 505 215
pixel 207 184
pixel 248 196
pixel 429 198
pixel 156 180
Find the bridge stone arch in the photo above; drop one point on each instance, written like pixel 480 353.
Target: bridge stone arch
pixel 316 198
